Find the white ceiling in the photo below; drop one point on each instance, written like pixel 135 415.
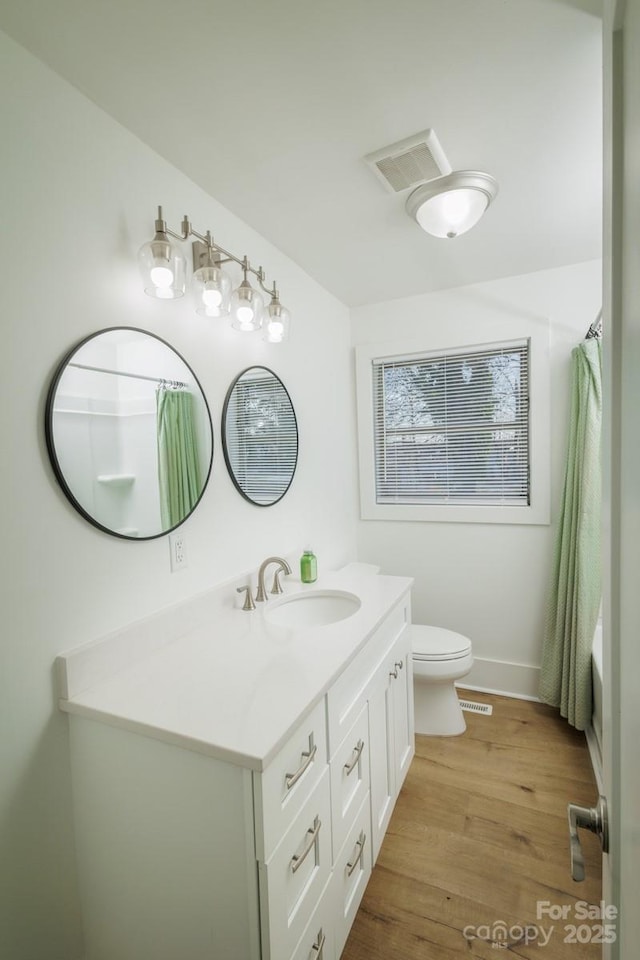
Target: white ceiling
pixel 270 106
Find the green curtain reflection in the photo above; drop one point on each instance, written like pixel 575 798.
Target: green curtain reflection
pixel 178 462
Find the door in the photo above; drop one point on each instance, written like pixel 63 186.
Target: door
pixel 621 311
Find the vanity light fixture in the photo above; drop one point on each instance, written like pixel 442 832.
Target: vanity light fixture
pixel 246 305
pixel 449 206
pixel 210 284
pixel 162 265
pixel 164 274
pixel 276 322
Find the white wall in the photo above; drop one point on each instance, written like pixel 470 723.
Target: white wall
pixel 79 198
pixel 487 581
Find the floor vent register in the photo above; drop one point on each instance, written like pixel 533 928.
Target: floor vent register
pixel 474 707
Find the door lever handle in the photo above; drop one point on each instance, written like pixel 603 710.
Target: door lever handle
pixel 590 818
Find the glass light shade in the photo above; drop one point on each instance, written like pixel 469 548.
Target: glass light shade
pixel 247 307
pixel 163 268
pixel 452 213
pixel 449 206
pixel 276 323
pixel 211 288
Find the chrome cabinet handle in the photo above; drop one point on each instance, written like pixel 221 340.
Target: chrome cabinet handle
pixel 298 859
pixel 318 946
pixel 307 759
pixel 398 665
pixel 593 819
pixel 359 747
pixel 360 842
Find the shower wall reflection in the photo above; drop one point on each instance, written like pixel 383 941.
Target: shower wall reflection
pixel 102 433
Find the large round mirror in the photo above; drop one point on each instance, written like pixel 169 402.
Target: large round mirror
pixel 129 433
pixel 260 436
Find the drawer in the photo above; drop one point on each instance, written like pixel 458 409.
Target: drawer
pixel 349 779
pixel 351 874
pixel 318 940
pixel 292 880
pixel 281 790
pixel 348 694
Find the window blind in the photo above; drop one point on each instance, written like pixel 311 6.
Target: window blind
pixel 261 438
pixel 453 428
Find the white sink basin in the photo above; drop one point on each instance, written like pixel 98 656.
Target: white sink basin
pixel 317 608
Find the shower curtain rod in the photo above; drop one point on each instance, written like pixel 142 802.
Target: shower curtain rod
pixel 135 376
pixel 595 330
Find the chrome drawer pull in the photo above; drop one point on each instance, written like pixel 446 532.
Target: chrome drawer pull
pixel 307 759
pixel 399 664
pixel 394 673
pixel 360 842
pixel 298 860
pixel 318 946
pixel 356 756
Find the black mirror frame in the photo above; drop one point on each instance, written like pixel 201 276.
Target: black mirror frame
pixel 227 399
pixel 48 430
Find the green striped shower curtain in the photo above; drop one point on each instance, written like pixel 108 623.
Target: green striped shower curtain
pixel 178 463
pixel 565 680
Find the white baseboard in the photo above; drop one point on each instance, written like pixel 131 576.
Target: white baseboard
pixel 520 680
pixel 504 678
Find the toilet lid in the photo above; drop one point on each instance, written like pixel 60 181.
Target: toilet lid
pixel 436 643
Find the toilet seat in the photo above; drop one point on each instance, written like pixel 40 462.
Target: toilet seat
pixel 436 643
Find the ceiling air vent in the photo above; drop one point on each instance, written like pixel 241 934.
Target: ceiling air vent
pixel 409 162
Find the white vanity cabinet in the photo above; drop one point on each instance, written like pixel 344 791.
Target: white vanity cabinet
pixel 186 855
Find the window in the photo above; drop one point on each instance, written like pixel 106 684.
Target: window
pixel 453 428
pixel 450 434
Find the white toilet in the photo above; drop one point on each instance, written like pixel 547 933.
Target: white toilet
pixel 440 657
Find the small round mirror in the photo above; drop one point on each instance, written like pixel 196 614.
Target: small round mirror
pixel 260 436
pixel 129 433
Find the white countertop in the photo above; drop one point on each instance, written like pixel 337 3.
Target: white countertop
pixel 220 680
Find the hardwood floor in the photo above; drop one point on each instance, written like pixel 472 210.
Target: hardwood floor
pixel 478 838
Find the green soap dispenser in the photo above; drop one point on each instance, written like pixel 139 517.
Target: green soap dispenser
pixel 308 566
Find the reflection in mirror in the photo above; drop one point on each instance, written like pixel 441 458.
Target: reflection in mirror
pixel 129 433
pixel 260 436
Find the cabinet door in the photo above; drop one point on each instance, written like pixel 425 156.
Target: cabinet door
pixel 381 757
pixel 391 734
pixel 403 720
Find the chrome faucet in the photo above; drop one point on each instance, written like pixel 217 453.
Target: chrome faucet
pixel 276 587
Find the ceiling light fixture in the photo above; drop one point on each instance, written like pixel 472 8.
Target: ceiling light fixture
pixel 163 270
pixel 449 206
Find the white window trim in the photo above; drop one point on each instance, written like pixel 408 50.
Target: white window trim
pixel 538 511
